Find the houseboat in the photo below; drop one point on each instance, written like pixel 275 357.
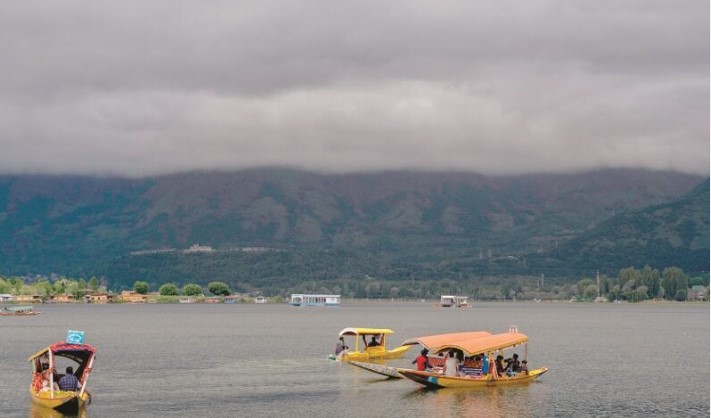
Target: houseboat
pixel 447 301
pixel 299 299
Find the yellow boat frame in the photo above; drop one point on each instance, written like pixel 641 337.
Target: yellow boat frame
pixel 364 354
pixel 61 401
pixel 436 380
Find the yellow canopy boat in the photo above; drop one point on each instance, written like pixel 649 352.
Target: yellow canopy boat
pixel 44 389
pixel 484 345
pixel 373 349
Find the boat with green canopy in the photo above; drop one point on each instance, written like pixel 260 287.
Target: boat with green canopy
pixel 23 310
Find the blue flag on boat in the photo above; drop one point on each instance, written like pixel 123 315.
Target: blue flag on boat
pixel 75 337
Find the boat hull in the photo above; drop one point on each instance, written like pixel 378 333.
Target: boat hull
pixel 435 380
pixel 65 402
pixel 387 371
pixel 375 353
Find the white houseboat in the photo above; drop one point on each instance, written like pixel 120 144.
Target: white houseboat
pixel 299 299
pixel 447 301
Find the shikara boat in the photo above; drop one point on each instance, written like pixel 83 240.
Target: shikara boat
pixel 369 344
pixel 477 344
pixel 44 376
pixel 18 311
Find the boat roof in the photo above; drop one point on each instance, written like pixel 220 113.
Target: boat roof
pixel 485 344
pixel 19 308
pixel 432 342
pixel 76 352
pixel 365 331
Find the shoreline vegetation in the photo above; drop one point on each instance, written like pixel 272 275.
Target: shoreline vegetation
pixel 631 285
pixel 434 303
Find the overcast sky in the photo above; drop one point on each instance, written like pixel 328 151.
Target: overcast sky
pixel 496 87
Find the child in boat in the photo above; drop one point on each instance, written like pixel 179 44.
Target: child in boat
pixel 524 367
pixel 45 386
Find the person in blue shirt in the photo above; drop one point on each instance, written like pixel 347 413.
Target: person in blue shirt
pixel 69 381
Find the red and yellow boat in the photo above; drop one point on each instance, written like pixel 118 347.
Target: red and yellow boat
pixel 43 389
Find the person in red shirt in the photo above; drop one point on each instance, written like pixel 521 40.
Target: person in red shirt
pixel 422 362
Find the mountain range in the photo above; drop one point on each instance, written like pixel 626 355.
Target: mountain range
pixel 281 224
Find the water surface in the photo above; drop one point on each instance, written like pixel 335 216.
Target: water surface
pixel 622 360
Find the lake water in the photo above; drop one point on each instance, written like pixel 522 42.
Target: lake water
pixel 605 360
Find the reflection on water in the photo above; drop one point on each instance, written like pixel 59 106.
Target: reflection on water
pixel 488 401
pixel 37 411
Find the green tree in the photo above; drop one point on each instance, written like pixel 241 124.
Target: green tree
pixel 140 287
pixel 590 292
pixel 583 285
pixel 192 289
pixel 168 289
pixel 673 281
pixel 628 289
pixel 218 288
pixel 60 286
pixel 5 286
pixel 650 279
pixel 614 293
pixel 630 273
pixel 637 295
pixel 94 283
pixel 43 288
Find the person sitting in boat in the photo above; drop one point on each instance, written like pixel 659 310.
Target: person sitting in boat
pixel 472 366
pixel 524 367
pixel 373 341
pixel 341 346
pixel 423 363
pixel 500 369
pixel 69 381
pixel 512 365
pixel 477 363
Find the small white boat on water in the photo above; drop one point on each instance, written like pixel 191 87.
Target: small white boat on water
pixel 447 301
pixel 301 299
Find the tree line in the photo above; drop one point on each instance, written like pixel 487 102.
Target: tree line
pixel 631 284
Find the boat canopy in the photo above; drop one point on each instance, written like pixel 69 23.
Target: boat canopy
pixel 18 308
pixel 77 352
pixel 432 342
pixel 486 344
pixel 365 331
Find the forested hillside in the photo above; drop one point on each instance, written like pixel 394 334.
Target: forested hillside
pixel 272 226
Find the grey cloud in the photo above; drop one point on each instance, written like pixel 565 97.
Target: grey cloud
pixel 496 87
